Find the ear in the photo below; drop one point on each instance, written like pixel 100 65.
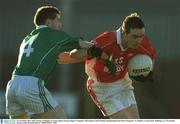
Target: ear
pixel 48 22
pixel 124 32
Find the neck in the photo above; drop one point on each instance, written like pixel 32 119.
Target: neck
pixel 123 41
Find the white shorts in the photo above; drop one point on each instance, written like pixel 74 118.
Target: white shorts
pixel 112 97
pixel 27 94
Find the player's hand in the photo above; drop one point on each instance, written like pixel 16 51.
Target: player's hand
pixel 85 44
pixel 110 63
pixel 142 78
pixel 94 51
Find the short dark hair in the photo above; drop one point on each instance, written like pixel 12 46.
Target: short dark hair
pixel 43 13
pixel 132 21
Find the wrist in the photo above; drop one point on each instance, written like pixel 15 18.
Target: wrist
pixel 94 51
pixel 104 56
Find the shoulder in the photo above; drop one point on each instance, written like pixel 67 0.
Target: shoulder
pixel 57 32
pixel 105 38
pixel 147 46
pixel 106 35
pixel 53 36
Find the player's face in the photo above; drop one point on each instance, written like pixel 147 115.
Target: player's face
pixel 55 23
pixel 134 37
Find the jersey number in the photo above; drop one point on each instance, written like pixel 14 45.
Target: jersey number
pixel 29 48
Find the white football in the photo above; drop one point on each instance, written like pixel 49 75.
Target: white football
pixel 140 64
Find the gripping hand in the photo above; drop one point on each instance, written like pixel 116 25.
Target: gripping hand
pixel 94 51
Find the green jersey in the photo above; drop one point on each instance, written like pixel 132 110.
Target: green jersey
pixel 40 49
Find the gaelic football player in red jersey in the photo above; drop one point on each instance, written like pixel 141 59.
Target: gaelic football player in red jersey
pixel 111 87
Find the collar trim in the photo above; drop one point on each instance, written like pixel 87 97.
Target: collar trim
pixel 118 37
pixel 41 26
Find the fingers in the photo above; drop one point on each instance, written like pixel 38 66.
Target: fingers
pixel 85 44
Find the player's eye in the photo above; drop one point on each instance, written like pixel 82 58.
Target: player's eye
pixel 137 36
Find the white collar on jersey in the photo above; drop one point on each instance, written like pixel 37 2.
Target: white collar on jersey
pixel 118 37
pixel 41 26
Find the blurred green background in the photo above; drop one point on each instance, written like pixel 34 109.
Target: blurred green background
pixel 88 18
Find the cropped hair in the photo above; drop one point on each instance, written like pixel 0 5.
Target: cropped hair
pixel 132 21
pixel 43 13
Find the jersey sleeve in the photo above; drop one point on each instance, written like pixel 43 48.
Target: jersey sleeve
pixel 66 42
pixel 69 44
pixel 103 40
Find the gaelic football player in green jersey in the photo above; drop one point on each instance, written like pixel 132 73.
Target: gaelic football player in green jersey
pixel 38 55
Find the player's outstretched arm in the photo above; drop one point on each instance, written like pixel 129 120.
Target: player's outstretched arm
pixel 79 55
pixel 97 52
pixel 65 58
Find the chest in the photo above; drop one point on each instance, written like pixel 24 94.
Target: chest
pixel 120 56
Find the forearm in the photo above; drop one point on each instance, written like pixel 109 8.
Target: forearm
pixel 94 51
pixel 65 58
pixel 83 54
pixel 79 53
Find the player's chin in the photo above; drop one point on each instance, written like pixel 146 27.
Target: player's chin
pixel 58 29
pixel 135 46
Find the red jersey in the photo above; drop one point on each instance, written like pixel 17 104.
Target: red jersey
pixel 110 42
